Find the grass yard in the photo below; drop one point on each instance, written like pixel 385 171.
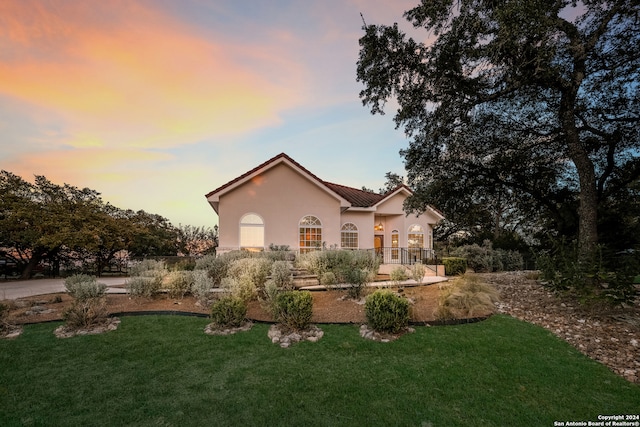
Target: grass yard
pixel 164 371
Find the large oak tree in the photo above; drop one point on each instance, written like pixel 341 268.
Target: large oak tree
pixel 537 99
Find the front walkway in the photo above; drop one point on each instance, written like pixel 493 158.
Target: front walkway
pixel 428 280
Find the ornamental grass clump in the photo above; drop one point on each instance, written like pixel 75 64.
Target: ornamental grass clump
pixel 89 307
pixel 228 312
pixel 418 271
pixel 293 309
pixel 386 311
pixel 466 297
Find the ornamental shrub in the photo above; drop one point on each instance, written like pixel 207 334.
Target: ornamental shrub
pixel 179 283
pixel 281 275
pixel 147 265
pixel 254 270
pixel 293 309
pixel 89 306
pixel 143 286
pixel 357 280
pixel 201 286
pixel 386 311
pixel 338 262
pixel 83 287
pixel 417 272
pixel 228 311
pixel 454 266
pixel 328 278
pixel 398 274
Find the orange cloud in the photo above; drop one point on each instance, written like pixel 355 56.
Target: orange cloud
pixel 123 74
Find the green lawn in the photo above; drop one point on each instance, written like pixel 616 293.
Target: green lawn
pixel 164 371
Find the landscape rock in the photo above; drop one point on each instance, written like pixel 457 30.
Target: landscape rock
pixel 608 335
pixel 285 338
pixel 213 329
pixel 64 331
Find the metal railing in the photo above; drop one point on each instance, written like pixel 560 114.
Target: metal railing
pixel 406 256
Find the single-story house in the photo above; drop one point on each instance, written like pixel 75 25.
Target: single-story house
pixel 280 202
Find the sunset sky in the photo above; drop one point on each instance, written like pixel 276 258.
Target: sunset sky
pixel 154 103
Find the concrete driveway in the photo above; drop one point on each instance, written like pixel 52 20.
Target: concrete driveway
pixel 27 288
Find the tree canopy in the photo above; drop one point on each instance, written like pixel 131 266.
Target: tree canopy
pixel 65 224
pixel 524 108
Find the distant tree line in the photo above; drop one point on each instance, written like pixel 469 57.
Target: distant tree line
pixel 64 226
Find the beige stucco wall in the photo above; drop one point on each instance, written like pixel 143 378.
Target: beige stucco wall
pixel 281 197
pixel 364 222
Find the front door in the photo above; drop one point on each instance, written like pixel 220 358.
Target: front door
pixel 378 244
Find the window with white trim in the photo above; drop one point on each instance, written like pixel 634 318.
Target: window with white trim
pixel 415 236
pixel 349 236
pixel 394 244
pixel 251 232
pixel 310 231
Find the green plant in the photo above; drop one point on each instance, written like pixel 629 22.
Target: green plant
pixel 454 266
pixel 386 311
pixel 418 271
pixel 89 306
pixel 338 262
pixel 466 296
pixel 250 270
pixel 328 278
pixel 281 275
pixel 146 265
pixel 398 274
pixel 83 287
pixel 142 286
pixel 179 283
pixel 293 309
pixel 201 286
pixel 357 279
pixel 228 311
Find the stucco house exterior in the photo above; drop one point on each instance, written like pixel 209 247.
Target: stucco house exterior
pixel 280 202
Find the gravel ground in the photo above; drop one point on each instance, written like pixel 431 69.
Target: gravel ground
pixel 609 335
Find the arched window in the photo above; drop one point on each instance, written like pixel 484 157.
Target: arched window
pixel 251 232
pixel 310 234
pixel 349 236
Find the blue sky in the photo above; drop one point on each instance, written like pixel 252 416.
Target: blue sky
pixel 154 103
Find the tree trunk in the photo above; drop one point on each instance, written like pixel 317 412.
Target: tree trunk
pixel 31 265
pixel 588 208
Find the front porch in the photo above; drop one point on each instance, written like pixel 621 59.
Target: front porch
pixel 390 258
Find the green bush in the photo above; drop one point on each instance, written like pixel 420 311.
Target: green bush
pixel 328 278
pixel 479 258
pixel 179 283
pixel 338 262
pixel 142 286
pixel 89 306
pixel 398 274
pixel 281 275
pixel 418 271
pixel 293 309
pixel 201 286
pixel 254 270
pixel 83 287
pixel 386 311
pixel 467 296
pixel 147 265
pixel 454 266
pixel 241 287
pixel 357 279
pixel 228 311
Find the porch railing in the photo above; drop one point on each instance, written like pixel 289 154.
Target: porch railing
pixel 406 256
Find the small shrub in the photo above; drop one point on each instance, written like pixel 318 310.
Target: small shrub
pixel 466 297
pixel 242 287
pixel 201 286
pixel 6 326
pixel 357 279
pixel 398 274
pixel 85 313
pixel 418 271
pixel 144 286
pixel 83 287
pixel 146 265
pixel 228 311
pixel 328 278
pixel 89 306
pixel 254 270
pixel 179 283
pixel 293 309
pixel 454 266
pixel 281 275
pixel 386 311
